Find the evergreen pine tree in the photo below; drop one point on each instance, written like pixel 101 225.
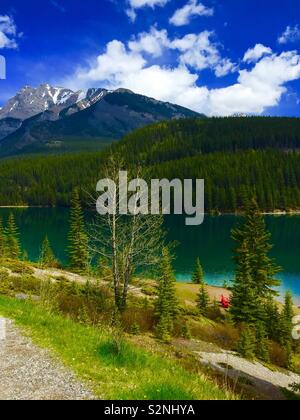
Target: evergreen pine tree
pixel 246 305
pixel 262 343
pixel 12 245
pixel 198 275
pixel 286 320
pixel 47 257
pixel 78 240
pixel 186 333
pixel 164 328
pixel 273 319
pixel 286 328
pixel 167 305
pixel 289 355
pixel 246 345
pixel 254 280
pixel 3 243
pixel 288 311
pixel 203 300
pixel 254 233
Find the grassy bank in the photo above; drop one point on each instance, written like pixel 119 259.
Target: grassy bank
pixel 116 368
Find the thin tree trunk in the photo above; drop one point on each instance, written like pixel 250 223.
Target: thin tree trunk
pixel 115 264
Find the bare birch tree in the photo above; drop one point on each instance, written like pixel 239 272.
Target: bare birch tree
pixel 129 243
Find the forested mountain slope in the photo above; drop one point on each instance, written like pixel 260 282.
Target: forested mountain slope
pixel 171 140
pixel 237 157
pixel 112 116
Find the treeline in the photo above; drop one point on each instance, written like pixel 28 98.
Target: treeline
pixel 273 177
pixel 237 157
pixel 174 140
pixel 47 180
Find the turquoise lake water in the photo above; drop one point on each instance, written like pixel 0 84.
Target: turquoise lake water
pixel 210 241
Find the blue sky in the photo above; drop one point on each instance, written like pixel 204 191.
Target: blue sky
pixel 215 56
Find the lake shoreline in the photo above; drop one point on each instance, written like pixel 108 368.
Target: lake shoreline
pixel 214 214
pixel 216 292
pixel 211 242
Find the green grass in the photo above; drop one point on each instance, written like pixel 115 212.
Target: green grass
pixel 116 368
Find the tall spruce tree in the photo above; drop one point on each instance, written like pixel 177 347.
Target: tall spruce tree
pixel 286 328
pixel 47 257
pixel 203 300
pixel 166 309
pixel 247 344
pixel 255 273
pixel 246 306
pixel 12 243
pixel 78 239
pixel 198 275
pixel 273 324
pixel 254 233
pixel 262 343
pixel 288 311
pixel 165 327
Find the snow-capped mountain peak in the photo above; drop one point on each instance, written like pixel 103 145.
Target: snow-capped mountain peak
pixel 86 99
pixel 30 101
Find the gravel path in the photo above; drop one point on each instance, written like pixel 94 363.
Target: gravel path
pixel 30 373
pixel 268 382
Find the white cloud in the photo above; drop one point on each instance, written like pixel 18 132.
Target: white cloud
pixel 224 66
pixel 291 34
pixel 197 51
pixel 131 14
pixel 254 54
pixel 193 8
pixel 200 52
pixel 113 65
pixel 138 4
pixel 128 66
pixel 152 42
pixel 8 32
pixel 259 88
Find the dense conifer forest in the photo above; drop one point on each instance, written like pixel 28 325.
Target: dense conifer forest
pixel 173 140
pixel 237 157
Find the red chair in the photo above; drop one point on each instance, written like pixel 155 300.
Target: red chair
pixel 225 302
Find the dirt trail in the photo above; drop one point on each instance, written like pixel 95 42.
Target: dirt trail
pixel 30 373
pixel 264 380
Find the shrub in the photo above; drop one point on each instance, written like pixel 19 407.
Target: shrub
pixel 135 329
pixel 143 316
pixel 19 267
pixel 26 284
pixel 186 333
pixel 221 334
pixel 5 284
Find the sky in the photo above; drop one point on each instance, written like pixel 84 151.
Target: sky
pixel 218 57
